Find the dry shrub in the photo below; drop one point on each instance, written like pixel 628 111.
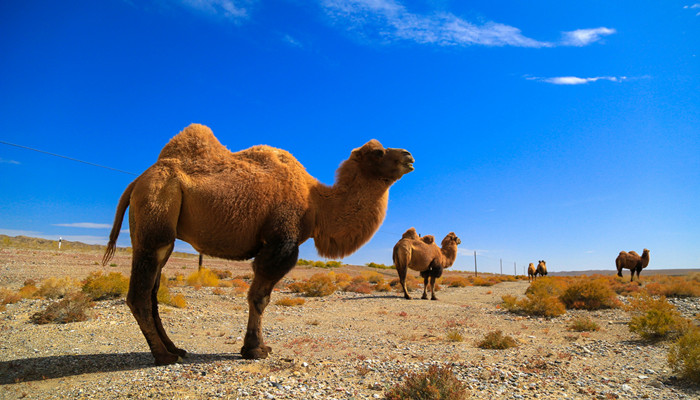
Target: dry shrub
pixel 203 277
pixel 454 335
pixel 547 286
pixel 496 340
pixel 382 287
pixel 674 286
pixel 57 288
pixel 27 291
pixel 9 297
pixel 540 304
pixel 684 355
pixel 319 285
pixel 583 324
pixel 655 318
pixel 290 301
pixel 73 308
pixel 99 287
pixel 479 281
pixel 297 287
pixel 240 286
pixel 435 384
pixel 359 287
pixel 218 291
pixel 222 273
pixel 589 294
pixel 455 281
pixel 411 283
pixel 373 277
pixel 165 297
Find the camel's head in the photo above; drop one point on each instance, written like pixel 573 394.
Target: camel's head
pixel 387 164
pixel 451 238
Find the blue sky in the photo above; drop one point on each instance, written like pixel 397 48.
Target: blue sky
pixel 563 131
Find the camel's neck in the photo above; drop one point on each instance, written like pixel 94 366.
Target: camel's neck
pixel 348 213
pixel 449 252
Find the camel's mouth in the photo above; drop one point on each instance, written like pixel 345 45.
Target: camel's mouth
pixel 409 166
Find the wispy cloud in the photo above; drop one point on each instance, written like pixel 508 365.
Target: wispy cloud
pixel 694 6
pixel 389 21
pixel 584 37
pixel 3 161
pixel 291 41
pixel 574 80
pixel 234 10
pixel 88 225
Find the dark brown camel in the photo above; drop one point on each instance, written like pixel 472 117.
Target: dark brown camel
pixel 632 261
pixel 257 203
pixel 423 255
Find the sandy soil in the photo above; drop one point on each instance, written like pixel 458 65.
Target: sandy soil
pixel 344 346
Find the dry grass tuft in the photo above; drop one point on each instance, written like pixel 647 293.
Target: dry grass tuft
pixel 57 288
pixel 684 355
pixel 583 324
pixel 436 383
pixel 319 285
pixel 73 308
pixel 589 294
pixel 496 340
pixel 203 277
pixel 655 318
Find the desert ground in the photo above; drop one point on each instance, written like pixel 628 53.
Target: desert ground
pixel 343 346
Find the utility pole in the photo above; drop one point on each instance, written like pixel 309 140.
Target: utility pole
pixel 515 268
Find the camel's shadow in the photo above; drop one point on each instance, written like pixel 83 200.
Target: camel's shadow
pixel 40 368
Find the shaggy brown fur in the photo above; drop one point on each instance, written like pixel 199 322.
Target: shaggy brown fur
pixel 531 272
pixel 259 203
pixel 541 268
pixel 632 261
pixel 424 256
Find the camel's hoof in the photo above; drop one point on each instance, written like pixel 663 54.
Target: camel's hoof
pixel 424 297
pixel 168 359
pixel 433 298
pixel 180 352
pixel 407 297
pixel 255 353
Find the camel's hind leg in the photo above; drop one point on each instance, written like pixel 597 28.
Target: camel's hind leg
pixel 435 272
pixel 402 270
pixel 426 278
pixel 143 301
pixel 274 260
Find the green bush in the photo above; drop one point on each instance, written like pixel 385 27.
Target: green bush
pixel 73 308
pixel 99 287
pixel 655 318
pixel 684 355
pixel 437 383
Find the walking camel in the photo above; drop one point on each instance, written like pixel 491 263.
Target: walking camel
pixel 257 203
pixel 423 255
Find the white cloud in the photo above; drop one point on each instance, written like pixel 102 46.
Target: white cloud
pixel 3 161
pixel 290 40
pixel 230 9
pixel 389 20
pixel 696 5
pixel 584 37
pixel 574 80
pixel 88 225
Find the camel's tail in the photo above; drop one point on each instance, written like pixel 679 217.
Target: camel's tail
pixel 118 218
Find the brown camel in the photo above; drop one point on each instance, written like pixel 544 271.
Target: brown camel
pixel 541 268
pixel 424 256
pixel 632 261
pixel 257 203
pixel 531 272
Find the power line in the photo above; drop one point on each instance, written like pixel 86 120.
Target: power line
pixel 67 158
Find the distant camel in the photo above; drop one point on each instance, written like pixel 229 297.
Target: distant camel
pixel 531 272
pixel 632 261
pixel 257 203
pixel 423 255
pixel 541 268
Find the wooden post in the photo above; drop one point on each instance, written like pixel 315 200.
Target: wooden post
pixel 475 273
pixel 200 262
pixel 515 268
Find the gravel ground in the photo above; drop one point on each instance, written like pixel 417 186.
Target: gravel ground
pixel 344 346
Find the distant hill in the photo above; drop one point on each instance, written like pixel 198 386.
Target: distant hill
pixel 25 242
pixel 626 273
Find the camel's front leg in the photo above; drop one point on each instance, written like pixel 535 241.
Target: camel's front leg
pixel 271 264
pixel 432 288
